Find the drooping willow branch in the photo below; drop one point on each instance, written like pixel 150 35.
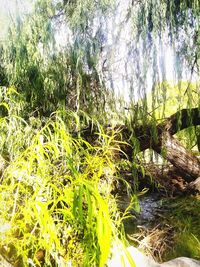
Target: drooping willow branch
pixel 176 122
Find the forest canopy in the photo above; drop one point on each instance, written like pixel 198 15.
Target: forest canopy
pixel 80 74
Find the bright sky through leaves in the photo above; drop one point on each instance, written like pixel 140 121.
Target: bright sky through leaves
pixel 115 51
pixel 9 10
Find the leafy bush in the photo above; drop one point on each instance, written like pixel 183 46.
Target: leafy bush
pixel 55 195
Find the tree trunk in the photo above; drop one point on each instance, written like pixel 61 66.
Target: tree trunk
pixel 187 164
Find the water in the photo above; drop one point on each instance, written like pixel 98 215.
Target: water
pixel 150 205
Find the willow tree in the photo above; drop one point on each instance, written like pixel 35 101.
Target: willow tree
pixel 50 77
pixel 82 74
pixel 95 30
pixel 153 27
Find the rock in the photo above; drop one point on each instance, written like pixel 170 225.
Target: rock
pixel 181 262
pixel 120 260
pixel 4 263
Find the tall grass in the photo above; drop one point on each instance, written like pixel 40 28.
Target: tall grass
pixel 183 216
pixel 56 203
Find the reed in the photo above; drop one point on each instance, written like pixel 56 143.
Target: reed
pixel 56 203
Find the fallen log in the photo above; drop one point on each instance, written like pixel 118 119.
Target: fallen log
pixel 165 144
pixel 185 163
pixel 171 149
pixel 180 120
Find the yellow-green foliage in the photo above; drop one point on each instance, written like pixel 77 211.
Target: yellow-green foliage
pixel 167 98
pixel 183 215
pixel 49 191
pixel 55 194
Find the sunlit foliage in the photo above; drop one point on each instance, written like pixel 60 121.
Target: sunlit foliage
pixel 56 202
pixel 56 187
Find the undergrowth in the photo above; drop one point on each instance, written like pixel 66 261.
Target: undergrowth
pixel 55 194
pixel 175 232
pixel 183 217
